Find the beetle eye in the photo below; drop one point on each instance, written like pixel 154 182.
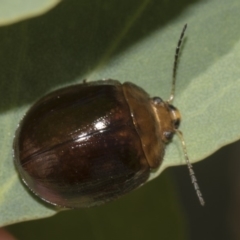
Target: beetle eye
pixel 176 123
pixel 157 100
pixel 175 115
pixel 168 135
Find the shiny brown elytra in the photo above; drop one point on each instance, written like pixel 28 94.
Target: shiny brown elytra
pixel 87 144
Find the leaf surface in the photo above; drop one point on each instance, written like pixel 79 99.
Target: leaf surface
pixel 132 41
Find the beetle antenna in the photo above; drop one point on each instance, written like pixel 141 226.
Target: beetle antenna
pixel 176 63
pixel 190 168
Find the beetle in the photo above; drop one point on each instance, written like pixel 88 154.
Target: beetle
pixel 87 144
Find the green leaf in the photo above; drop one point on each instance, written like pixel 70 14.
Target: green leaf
pixel 17 10
pixel 133 41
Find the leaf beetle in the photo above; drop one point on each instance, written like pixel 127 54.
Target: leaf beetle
pixel 90 143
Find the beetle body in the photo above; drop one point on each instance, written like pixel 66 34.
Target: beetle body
pixel 87 144
pixel 90 143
